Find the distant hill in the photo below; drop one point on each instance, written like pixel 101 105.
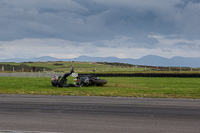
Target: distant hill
pixel 149 60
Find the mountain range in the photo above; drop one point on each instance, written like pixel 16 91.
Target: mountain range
pixel 149 60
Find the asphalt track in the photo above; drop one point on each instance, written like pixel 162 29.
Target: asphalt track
pixel 98 114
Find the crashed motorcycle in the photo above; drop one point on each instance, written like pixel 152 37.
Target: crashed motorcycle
pixel 89 80
pixel 81 80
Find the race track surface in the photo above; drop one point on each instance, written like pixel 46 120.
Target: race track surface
pixel 98 114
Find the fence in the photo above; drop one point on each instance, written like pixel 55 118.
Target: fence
pixel 22 68
pixel 133 68
pixel 161 68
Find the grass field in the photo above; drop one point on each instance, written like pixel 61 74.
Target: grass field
pixel 58 67
pixel 91 67
pixel 116 87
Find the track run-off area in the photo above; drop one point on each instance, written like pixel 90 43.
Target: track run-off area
pixel 38 113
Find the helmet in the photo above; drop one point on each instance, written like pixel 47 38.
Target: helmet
pixel 54 78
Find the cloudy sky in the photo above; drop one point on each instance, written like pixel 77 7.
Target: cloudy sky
pixel 99 28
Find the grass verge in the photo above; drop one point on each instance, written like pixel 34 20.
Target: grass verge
pixel 116 87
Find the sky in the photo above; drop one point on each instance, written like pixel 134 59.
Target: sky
pixel 99 28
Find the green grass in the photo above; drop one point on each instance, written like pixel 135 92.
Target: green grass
pixel 116 87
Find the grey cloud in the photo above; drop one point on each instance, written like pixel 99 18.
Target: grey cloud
pixel 119 28
pixel 36 19
pixel 164 17
pixel 43 6
pixel 96 20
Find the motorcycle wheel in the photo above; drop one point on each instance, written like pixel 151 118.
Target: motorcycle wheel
pixel 100 82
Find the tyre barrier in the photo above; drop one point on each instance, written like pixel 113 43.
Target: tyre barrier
pixel 196 75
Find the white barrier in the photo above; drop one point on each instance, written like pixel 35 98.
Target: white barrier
pixel 29 74
pixel 34 74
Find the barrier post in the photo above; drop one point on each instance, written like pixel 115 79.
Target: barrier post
pixel 2 68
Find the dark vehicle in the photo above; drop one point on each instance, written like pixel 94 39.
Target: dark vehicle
pixel 88 80
pixel 82 80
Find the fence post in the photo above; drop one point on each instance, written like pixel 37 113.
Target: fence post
pixel 3 68
pixel 22 69
pixel 13 69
